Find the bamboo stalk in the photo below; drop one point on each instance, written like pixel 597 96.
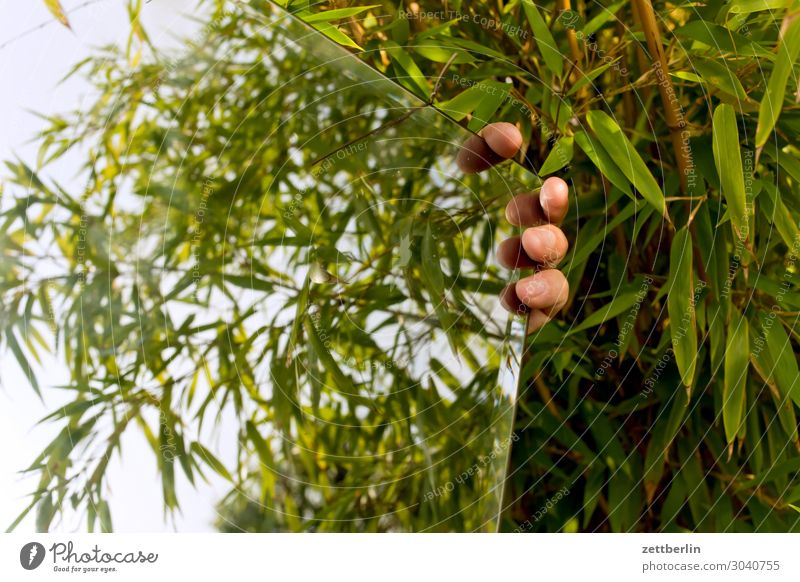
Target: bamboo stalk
pixel 675 121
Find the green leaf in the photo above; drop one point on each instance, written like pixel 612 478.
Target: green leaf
pixel 495 94
pixel 727 158
pixel 22 361
pixel 299 316
pixel 343 382
pixel 433 278
pixel 559 156
pixel 778 215
pixel 416 78
pixel 261 446
pixel 719 76
pixel 750 6
pixel 718 38
pixel 763 357
pixel 104 513
pixel 680 302
pixel 772 102
pixel 600 158
pixel 606 14
pixel 737 358
pixel 626 158
pixel 45 513
pixel 544 39
pixel 781 351
pixel 618 304
pixel 336 14
pixel 210 460
pixel 463 104
pixel 332 32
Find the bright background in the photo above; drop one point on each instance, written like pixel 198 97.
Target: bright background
pixel 36 52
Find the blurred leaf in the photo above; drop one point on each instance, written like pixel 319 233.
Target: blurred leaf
pixel 55 8
pixel 205 455
pixel 336 14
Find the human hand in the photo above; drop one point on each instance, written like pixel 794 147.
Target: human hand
pixel 542 245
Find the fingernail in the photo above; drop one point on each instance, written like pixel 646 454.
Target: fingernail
pixel 544 200
pixel 534 288
pixel 546 238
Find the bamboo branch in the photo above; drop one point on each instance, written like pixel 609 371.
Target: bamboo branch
pixel 674 116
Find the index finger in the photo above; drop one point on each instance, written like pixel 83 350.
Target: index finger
pixel 493 144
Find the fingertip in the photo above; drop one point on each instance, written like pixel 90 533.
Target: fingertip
pixel 504 138
pixel 554 198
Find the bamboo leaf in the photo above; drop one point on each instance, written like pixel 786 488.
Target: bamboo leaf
pixel 626 158
pixel 737 358
pixel 342 380
pixel 781 350
pixel 618 304
pixel 104 513
pixel 336 14
pixel 680 302
pixel 55 8
pixel 559 156
pixel 750 6
pixel 602 161
pixel 544 39
pixel 22 361
pixel 210 460
pixel 332 32
pixel 416 78
pixel 727 158
pixel 772 102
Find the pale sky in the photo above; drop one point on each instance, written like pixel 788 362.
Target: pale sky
pixel 30 68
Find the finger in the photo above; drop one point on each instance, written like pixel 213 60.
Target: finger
pixel 536 320
pixel 548 206
pixel 512 303
pixel 554 199
pixel 545 244
pixel 524 210
pixel 495 143
pixel 546 290
pixel 511 254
